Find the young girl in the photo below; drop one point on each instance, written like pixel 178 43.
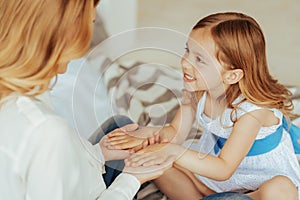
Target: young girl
pixel 242 109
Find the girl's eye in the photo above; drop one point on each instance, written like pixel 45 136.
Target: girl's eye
pixel 187 50
pixel 199 60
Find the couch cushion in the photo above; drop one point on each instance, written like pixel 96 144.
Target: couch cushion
pixel 148 93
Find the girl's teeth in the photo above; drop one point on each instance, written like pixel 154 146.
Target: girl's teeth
pixel 189 77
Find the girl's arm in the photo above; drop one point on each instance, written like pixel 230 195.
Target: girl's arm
pixel 175 132
pixel 234 151
pixel 218 168
pixel 180 126
pixel 182 123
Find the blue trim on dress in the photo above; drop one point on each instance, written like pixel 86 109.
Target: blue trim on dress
pixel 267 144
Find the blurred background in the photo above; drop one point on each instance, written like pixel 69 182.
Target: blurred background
pixel 279 20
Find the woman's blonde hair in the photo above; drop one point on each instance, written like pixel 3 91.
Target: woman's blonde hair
pixel 36 36
pixel 240 44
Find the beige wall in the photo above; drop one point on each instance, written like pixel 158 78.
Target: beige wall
pixel 279 20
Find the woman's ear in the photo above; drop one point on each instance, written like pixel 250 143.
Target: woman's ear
pixel 233 76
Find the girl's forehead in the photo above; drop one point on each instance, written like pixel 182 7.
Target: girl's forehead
pixel 200 40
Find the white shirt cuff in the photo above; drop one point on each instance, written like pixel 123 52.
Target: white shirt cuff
pixel 126 184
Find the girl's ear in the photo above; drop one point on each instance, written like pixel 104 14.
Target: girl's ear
pixel 233 76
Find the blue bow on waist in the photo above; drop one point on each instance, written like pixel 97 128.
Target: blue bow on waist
pixel 264 145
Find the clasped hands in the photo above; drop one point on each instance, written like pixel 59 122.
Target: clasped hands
pixel 138 147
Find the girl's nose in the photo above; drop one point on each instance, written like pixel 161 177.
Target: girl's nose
pixel 185 63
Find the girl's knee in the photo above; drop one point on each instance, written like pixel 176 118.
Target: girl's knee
pixel 279 187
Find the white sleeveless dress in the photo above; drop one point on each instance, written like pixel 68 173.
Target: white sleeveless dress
pixel 253 170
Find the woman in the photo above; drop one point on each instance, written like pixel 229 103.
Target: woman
pixel 40 156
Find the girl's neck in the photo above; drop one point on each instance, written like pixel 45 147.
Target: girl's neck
pixel 214 105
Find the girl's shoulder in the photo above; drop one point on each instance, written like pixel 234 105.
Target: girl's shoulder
pixel 246 106
pixel 222 126
pixel 243 106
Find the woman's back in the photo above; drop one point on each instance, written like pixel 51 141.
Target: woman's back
pixel 40 154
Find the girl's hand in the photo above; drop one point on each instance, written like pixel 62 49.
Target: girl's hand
pixel 115 154
pixel 120 139
pixel 135 130
pixel 152 155
pixel 112 154
pixel 146 173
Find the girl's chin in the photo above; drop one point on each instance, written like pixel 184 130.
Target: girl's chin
pixel 189 88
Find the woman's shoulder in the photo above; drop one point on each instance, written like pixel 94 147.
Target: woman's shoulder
pixel 28 128
pixel 25 117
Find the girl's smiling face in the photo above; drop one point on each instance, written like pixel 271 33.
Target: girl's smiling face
pixel 201 69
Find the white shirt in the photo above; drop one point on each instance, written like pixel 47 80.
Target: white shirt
pixel 42 158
